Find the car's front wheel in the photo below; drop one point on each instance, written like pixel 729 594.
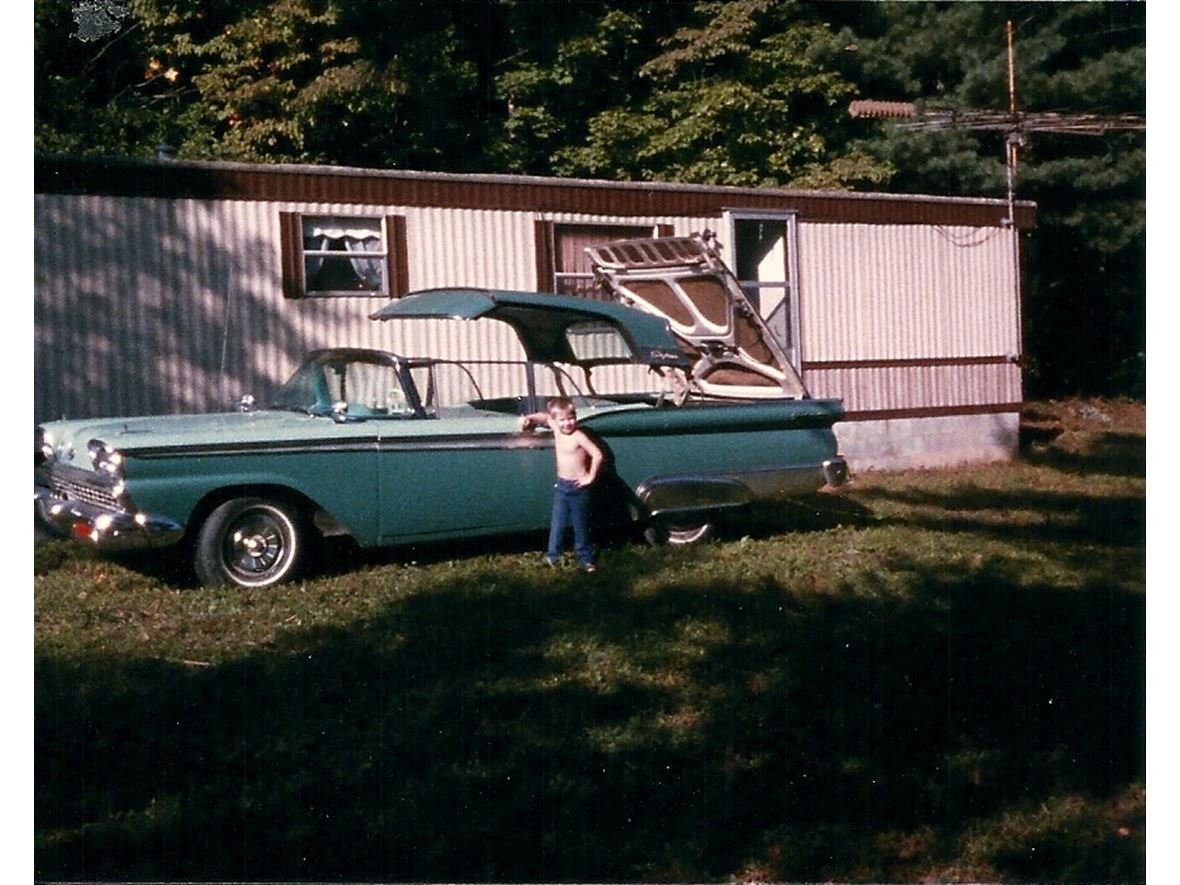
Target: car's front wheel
pixel 250 543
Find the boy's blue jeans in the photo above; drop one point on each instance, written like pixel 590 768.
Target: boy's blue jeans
pixel 571 507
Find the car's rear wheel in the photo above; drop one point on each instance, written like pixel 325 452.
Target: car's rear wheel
pixel 680 531
pixel 251 543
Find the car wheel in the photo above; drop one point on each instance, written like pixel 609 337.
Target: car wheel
pixel 250 543
pixel 681 531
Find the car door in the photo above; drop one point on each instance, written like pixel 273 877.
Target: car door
pixel 463 467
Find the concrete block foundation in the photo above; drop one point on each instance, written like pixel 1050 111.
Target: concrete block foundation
pixel 944 441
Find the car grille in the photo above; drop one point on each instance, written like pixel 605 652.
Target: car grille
pixel 89 491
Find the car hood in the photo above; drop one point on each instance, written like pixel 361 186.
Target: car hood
pixel 70 438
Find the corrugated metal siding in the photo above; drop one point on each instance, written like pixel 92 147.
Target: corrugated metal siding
pixel 903 291
pixel 902 319
pixel 913 390
pixel 111 335
pixel 149 306
pixel 155 306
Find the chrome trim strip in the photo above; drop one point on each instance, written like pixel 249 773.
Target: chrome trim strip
pixel 511 441
pixel 432 443
pixel 683 493
pixel 268 447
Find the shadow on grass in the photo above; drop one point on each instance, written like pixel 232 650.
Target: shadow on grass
pixel 1113 453
pixel 341 555
pixel 521 728
pixel 1065 517
pixel 818 512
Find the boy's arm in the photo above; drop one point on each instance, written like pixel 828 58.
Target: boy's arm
pixel 596 457
pixel 536 419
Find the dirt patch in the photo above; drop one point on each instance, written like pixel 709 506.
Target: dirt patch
pixel 1099 435
pixel 1067 423
pixel 1088 415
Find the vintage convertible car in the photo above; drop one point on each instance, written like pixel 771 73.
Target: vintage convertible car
pixel 394 450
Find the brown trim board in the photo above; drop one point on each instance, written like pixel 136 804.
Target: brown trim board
pixel 909 363
pixel 179 179
pixel 934 412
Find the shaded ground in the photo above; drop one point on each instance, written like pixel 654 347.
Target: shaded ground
pixel 933 677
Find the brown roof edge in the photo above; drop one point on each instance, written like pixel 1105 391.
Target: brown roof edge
pixel 181 179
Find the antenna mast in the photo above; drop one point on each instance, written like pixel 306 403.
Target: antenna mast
pixel 1013 122
pixel 1015 139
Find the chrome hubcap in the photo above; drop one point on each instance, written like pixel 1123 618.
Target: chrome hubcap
pixel 256 545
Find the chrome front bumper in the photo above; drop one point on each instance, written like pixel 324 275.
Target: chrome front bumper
pixel 106 529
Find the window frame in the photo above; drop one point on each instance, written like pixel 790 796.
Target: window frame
pixel 790 267
pixel 395 270
pixel 550 272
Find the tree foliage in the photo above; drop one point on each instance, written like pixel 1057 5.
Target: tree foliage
pixel 567 69
pixel 741 92
pixel 750 93
pixel 1085 271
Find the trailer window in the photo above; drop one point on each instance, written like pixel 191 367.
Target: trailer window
pixel 343 255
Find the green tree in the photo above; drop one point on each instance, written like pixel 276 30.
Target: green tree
pixel 99 91
pixel 751 93
pixel 334 81
pixel 559 70
pixel 1084 291
pixel 363 84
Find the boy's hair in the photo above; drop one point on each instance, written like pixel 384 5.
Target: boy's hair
pixel 559 404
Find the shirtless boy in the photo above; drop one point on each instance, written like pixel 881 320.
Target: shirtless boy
pixel 578 461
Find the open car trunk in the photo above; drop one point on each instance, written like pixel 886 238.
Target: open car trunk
pixel 732 351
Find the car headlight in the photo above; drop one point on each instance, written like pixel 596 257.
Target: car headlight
pixel 43 451
pixel 106 459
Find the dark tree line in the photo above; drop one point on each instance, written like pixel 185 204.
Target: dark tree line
pixel 751 92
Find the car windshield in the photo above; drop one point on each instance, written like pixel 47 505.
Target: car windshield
pixel 368 386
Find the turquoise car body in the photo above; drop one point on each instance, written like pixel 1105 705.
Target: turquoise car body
pixel 391 467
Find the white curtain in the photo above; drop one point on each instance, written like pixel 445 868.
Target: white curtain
pixel 368 269
pixel 320 237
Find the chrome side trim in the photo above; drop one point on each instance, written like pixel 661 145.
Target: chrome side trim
pixel 686 493
pixel 456 442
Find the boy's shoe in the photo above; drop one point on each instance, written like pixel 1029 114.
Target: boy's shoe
pixel 552 563
pixel 588 567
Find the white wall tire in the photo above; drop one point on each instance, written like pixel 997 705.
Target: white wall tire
pixel 252 543
pixel 680 531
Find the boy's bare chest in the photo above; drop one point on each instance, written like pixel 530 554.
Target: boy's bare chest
pixel 567 446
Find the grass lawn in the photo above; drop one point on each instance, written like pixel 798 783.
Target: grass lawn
pixel 934 675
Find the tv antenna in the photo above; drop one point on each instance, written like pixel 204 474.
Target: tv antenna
pixel 1017 124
